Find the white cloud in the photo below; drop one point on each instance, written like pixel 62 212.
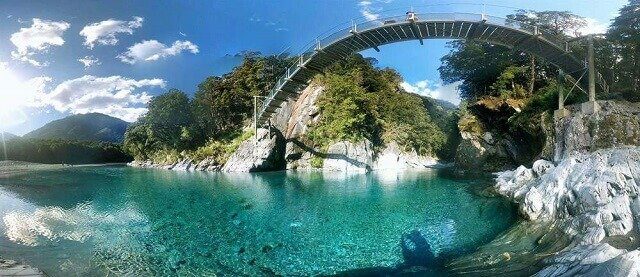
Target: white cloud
pixel 367 11
pixel 116 96
pixel 104 32
pixel 37 39
pixel 152 50
pixel 89 61
pixel 593 27
pixel 448 92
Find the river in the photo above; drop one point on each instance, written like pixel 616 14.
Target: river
pixel 94 220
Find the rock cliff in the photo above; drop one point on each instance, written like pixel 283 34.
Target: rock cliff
pixel 265 154
pixel 295 118
pixel 480 148
pixel 285 146
pixel 617 123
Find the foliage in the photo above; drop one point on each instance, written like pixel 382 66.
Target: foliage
pixel 167 125
pixel 509 83
pixel 361 101
pixel 560 23
pixel 65 151
pixel 219 150
pixel 485 69
pixel 316 162
pixel 477 65
pixel 347 111
pixel 222 104
pixel 624 35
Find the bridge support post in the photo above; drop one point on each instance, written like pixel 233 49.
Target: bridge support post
pixel 591 107
pixel 561 112
pixel 255 120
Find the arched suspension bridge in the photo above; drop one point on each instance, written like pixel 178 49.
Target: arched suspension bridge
pixel 415 26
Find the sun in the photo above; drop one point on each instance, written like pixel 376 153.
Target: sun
pixel 10 88
pixel 14 96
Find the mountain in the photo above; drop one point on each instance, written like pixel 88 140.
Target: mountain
pixel 8 136
pixel 90 127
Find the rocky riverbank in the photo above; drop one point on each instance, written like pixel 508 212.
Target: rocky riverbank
pixel 580 204
pixel 13 268
pixel 593 199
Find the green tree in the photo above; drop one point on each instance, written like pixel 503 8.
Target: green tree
pixel 361 101
pixel 557 23
pixel 223 104
pixel 167 125
pixel 476 65
pixel 624 33
pixel 347 111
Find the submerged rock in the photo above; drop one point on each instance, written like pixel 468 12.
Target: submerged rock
pixel 13 268
pixel 207 164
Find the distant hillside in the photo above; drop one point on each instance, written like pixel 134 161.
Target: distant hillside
pixel 88 127
pixel 8 136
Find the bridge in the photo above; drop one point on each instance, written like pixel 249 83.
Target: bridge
pixel 414 26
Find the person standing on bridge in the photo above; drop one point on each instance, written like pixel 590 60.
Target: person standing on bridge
pixel 411 16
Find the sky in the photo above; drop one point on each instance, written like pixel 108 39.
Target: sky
pixel 59 58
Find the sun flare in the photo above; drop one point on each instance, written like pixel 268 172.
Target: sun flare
pixel 15 94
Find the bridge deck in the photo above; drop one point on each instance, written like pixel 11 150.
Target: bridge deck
pixel 373 34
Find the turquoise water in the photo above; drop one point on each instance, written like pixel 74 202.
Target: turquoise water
pixel 99 220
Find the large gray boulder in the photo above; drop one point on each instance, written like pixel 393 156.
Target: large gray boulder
pixel 349 157
pixel 393 157
pixel 265 154
pixel 481 149
pixel 595 193
pixel 590 197
pixel 593 260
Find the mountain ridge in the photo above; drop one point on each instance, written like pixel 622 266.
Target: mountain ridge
pixel 83 127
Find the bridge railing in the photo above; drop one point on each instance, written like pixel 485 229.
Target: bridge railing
pixel 344 30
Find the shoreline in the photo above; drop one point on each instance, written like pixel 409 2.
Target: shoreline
pixel 14 268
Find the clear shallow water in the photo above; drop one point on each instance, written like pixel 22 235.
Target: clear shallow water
pixel 94 220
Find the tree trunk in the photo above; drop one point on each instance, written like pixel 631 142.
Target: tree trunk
pixel 532 74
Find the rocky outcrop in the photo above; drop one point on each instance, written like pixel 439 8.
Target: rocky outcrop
pixel 591 197
pixel 482 149
pixel 296 118
pixel 617 123
pixel 392 157
pixel 349 157
pixel 265 154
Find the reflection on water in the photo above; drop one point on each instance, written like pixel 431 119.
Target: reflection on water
pixel 50 224
pixel 98 220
